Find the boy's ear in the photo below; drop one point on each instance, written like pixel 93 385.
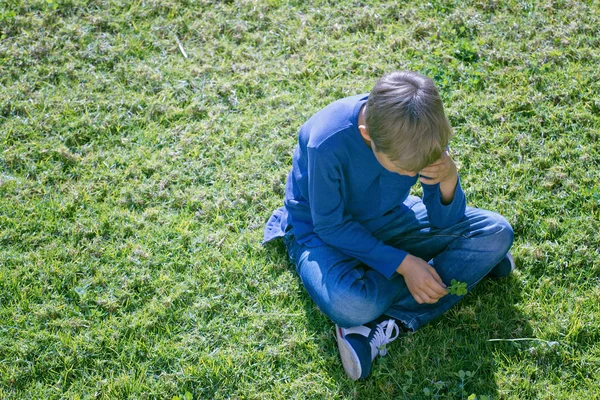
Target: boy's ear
pixel 364 132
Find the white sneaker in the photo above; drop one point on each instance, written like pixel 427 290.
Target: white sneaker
pixel 360 345
pixel 504 267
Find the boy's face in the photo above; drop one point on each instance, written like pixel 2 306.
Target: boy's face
pixel 388 164
pixel 381 158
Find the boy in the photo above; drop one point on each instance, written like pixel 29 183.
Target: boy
pixel 373 258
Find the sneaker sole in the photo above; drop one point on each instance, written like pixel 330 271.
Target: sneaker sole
pixel 349 357
pixel 512 261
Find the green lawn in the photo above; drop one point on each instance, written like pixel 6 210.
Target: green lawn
pixel 144 143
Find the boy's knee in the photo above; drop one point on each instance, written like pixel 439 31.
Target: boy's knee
pixel 501 233
pixel 505 232
pixel 348 311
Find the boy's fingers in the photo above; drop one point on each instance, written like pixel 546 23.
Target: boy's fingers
pixel 438 290
pixel 436 276
pixel 430 168
pixel 418 298
pixel 439 163
pixel 443 159
pixel 425 298
pixel 428 175
pixel 422 297
pixel 428 180
pixel 432 292
pixel 436 170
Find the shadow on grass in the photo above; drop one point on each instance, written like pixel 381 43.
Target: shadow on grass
pixel 455 356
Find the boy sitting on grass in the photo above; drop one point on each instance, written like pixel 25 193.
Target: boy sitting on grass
pixel 374 259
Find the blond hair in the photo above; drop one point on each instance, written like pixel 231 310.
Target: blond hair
pixel 406 121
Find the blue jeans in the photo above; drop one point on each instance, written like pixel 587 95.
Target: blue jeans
pixel 351 293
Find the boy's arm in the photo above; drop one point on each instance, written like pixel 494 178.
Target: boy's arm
pixel 445 202
pixel 337 228
pixel 442 193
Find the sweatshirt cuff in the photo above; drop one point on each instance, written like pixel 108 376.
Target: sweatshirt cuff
pixel 457 201
pixel 388 260
pixel 444 215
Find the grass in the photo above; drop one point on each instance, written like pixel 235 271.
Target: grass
pixel 143 144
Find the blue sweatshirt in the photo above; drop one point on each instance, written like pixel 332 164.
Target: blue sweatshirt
pixel 338 194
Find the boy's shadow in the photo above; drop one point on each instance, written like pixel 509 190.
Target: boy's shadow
pixel 475 337
pixel 460 353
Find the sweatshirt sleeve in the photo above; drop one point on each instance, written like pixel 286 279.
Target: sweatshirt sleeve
pixel 440 215
pixel 337 228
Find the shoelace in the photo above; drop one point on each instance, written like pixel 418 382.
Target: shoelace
pixel 383 336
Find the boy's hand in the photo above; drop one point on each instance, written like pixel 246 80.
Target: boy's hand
pixel 422 280
pixel 442 170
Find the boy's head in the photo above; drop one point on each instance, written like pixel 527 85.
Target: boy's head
pixel 405 120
